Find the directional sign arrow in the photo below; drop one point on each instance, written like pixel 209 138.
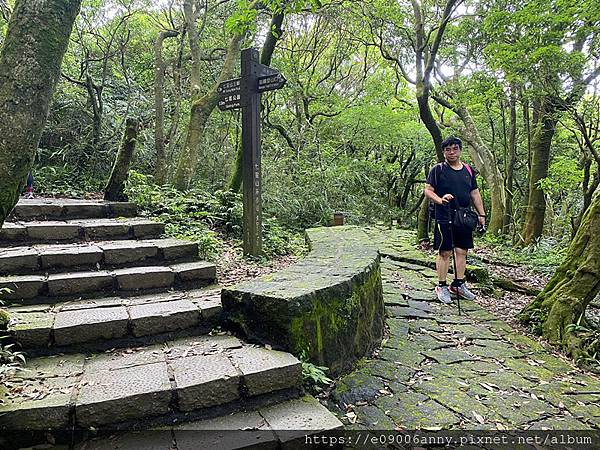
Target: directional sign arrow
pixel 232 86
pixel 271 82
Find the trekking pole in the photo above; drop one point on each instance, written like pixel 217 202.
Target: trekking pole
pixel 450 215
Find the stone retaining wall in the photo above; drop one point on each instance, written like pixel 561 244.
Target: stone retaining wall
pixel 329 305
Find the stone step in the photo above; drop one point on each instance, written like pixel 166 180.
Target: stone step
pixel 32 289
pixel 79 230
pixel 93 255
pixel 285 425
pixel 128 385
pixel 61 209
pixel 113 321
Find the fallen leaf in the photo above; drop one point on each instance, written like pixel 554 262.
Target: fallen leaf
pixel 479 418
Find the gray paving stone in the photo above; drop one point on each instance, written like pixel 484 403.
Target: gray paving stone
pixel 83 210
pixel 133 440
pixel 31 329
pixel 121 209
pixel 70 256
pixel 39 404
pixel 86 325
pixel 79 282
pixel 146 228
pixel 22 287
pixel 154 318
pixel 235 431
pixel 195 271
pixel 103 302
pixel 293 420
pixel 201 345
pixel 449 355
pixel 267 370
pixel 11 231
pixel 18 259
pixel 98 229
pixel 37 208
pixel 154 298
pixel 209 303
pixel 124 357
pixel 52 231
pixel 144 278
pixel 118 395
pixel 171 249
pixel 204 381
pixel 412 313
pixel 121 252
pixel 52 366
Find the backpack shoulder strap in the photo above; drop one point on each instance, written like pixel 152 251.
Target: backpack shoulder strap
pixel 438 169
pixel 469 169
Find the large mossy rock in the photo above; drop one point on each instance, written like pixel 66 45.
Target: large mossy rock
pixel 329 305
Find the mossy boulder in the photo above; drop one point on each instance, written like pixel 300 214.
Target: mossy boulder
pixel 328 306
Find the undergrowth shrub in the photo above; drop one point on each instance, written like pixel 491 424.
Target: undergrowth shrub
pixel 206 218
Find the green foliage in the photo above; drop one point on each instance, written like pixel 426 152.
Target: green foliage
pixel 9 358
pixel 590 342
pixel 313 376
pixel 64 181
pixel 545 255
pixel 206 218
pixel 564 175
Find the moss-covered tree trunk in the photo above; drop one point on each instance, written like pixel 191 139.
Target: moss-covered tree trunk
pixel 573 286
pixel 510 163
pixel 202 108
pixel 114 190
pixel 533 225
pixel 36 41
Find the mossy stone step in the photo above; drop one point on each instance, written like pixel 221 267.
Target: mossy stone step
pixel 60 209
pixel 136 383
pixel 113 318
pixel 79 230
pixel 57 257
pixel 27 289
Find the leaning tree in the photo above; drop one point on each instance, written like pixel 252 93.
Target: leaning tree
pixel 560 307
pixel 30 60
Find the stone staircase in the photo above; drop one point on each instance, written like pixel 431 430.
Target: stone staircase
pixel 116 324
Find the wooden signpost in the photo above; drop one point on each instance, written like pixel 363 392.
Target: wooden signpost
pixel 244 92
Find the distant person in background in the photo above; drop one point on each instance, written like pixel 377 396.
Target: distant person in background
pixel 29 188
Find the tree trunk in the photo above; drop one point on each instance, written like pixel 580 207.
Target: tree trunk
pixel 540 160
pixel 573 286
pixel 116 183
pixel 486 163
pixel 159 105
pixel 36 41
pixel 510 164
pixel 200 112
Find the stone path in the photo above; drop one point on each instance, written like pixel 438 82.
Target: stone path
pixel 441 371
pixel 117 326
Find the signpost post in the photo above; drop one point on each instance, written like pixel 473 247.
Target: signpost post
pixel 245 93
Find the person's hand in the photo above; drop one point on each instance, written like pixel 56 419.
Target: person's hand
pixel 446 199
pixel 482 221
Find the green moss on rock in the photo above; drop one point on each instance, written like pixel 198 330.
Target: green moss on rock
pixel 328 306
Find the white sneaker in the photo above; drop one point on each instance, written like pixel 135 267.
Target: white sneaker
pixel 443 294
pixel 463 292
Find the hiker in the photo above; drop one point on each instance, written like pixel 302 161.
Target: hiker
pixel 452 184
pixel 29 186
